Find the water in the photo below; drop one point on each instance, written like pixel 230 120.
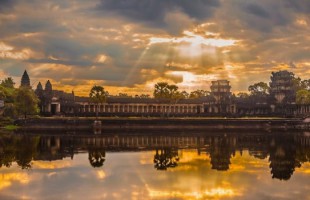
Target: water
pixel 179 165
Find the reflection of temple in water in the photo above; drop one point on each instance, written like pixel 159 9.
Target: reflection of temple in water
pixel 221 149
pixel 285 152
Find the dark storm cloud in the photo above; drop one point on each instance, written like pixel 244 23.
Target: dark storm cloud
pixel 265 17
pixel 256 10
pixel 153 12
pixel 111 40
pixel 298 5
pixel 6 5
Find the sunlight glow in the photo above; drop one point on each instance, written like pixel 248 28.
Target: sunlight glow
pixel 4 47
pixel 7 51
pixel 194 39
pixel 209 193
pixel 192 81
pixel 101 58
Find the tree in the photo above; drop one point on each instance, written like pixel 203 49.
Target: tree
pixel 259 92
pixel 144 96
pixel 124 95
pixel 243 95
pixel 305 84
pixel 8 83
pixel 7 94
pixel 303 97
pixel 3 93
pixel 98 95
pixel 26 101
pixel 199 93
pixel 161 90
pixel 184 95
pixel 165 91
pixel 259 89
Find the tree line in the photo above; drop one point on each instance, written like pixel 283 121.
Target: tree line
pixel 20 101
pixel 257 92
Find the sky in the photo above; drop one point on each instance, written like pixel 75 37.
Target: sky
pixel 127 46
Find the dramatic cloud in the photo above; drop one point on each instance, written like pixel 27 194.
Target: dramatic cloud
pixel 129 45
pixel 159 12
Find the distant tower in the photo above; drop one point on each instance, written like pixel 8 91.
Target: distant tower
pixel 39 90
pixel 39 87
pixel 25 82
pixel 48 86
pixel 220 90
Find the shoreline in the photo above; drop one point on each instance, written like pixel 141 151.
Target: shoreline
pixel 78 123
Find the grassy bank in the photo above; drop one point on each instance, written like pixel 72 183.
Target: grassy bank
pixel 7 124
pixel 11 127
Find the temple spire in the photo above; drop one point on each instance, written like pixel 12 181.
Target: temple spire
pixel 25 81
pixel 39 87
pixel 48 86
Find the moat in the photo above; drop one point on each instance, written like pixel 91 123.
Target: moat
pixel 155 165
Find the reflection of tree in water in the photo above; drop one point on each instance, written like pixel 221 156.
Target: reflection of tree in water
pixel 7 151
pixel 25 152
pixel 283 157
pixel 96 157
pixel 165 158
pixel 220 153
pixel 19 149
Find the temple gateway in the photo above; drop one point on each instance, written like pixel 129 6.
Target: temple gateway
pixel 220 102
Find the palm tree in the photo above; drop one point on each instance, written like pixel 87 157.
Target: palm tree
pixel 98 95
pixel 167 93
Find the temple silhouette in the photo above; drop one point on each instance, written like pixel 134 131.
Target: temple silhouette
pixel 221 102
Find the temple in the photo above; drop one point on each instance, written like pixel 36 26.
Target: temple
pixel 25 82
pixel 220 102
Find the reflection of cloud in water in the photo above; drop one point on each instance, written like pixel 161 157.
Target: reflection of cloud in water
pixel 6 180
pixel 101 174
pixel 57 164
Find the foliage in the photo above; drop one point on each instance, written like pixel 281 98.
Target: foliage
pixel 10 110
pixel 26 101
pixel 259 89
pixel 305 84
pixel 11 127
pixel 303 97
pixel 184 95
pixel 124 95
pixel 165 91
pixel 199 93
pixel 8 83
pixel 243 95
pixel 98 95
pixel 143 96
pixel 7 94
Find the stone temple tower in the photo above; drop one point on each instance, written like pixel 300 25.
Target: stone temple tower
pixel 48 86
pixel 25 81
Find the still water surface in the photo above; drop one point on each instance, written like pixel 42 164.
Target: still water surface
pixel 155 166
